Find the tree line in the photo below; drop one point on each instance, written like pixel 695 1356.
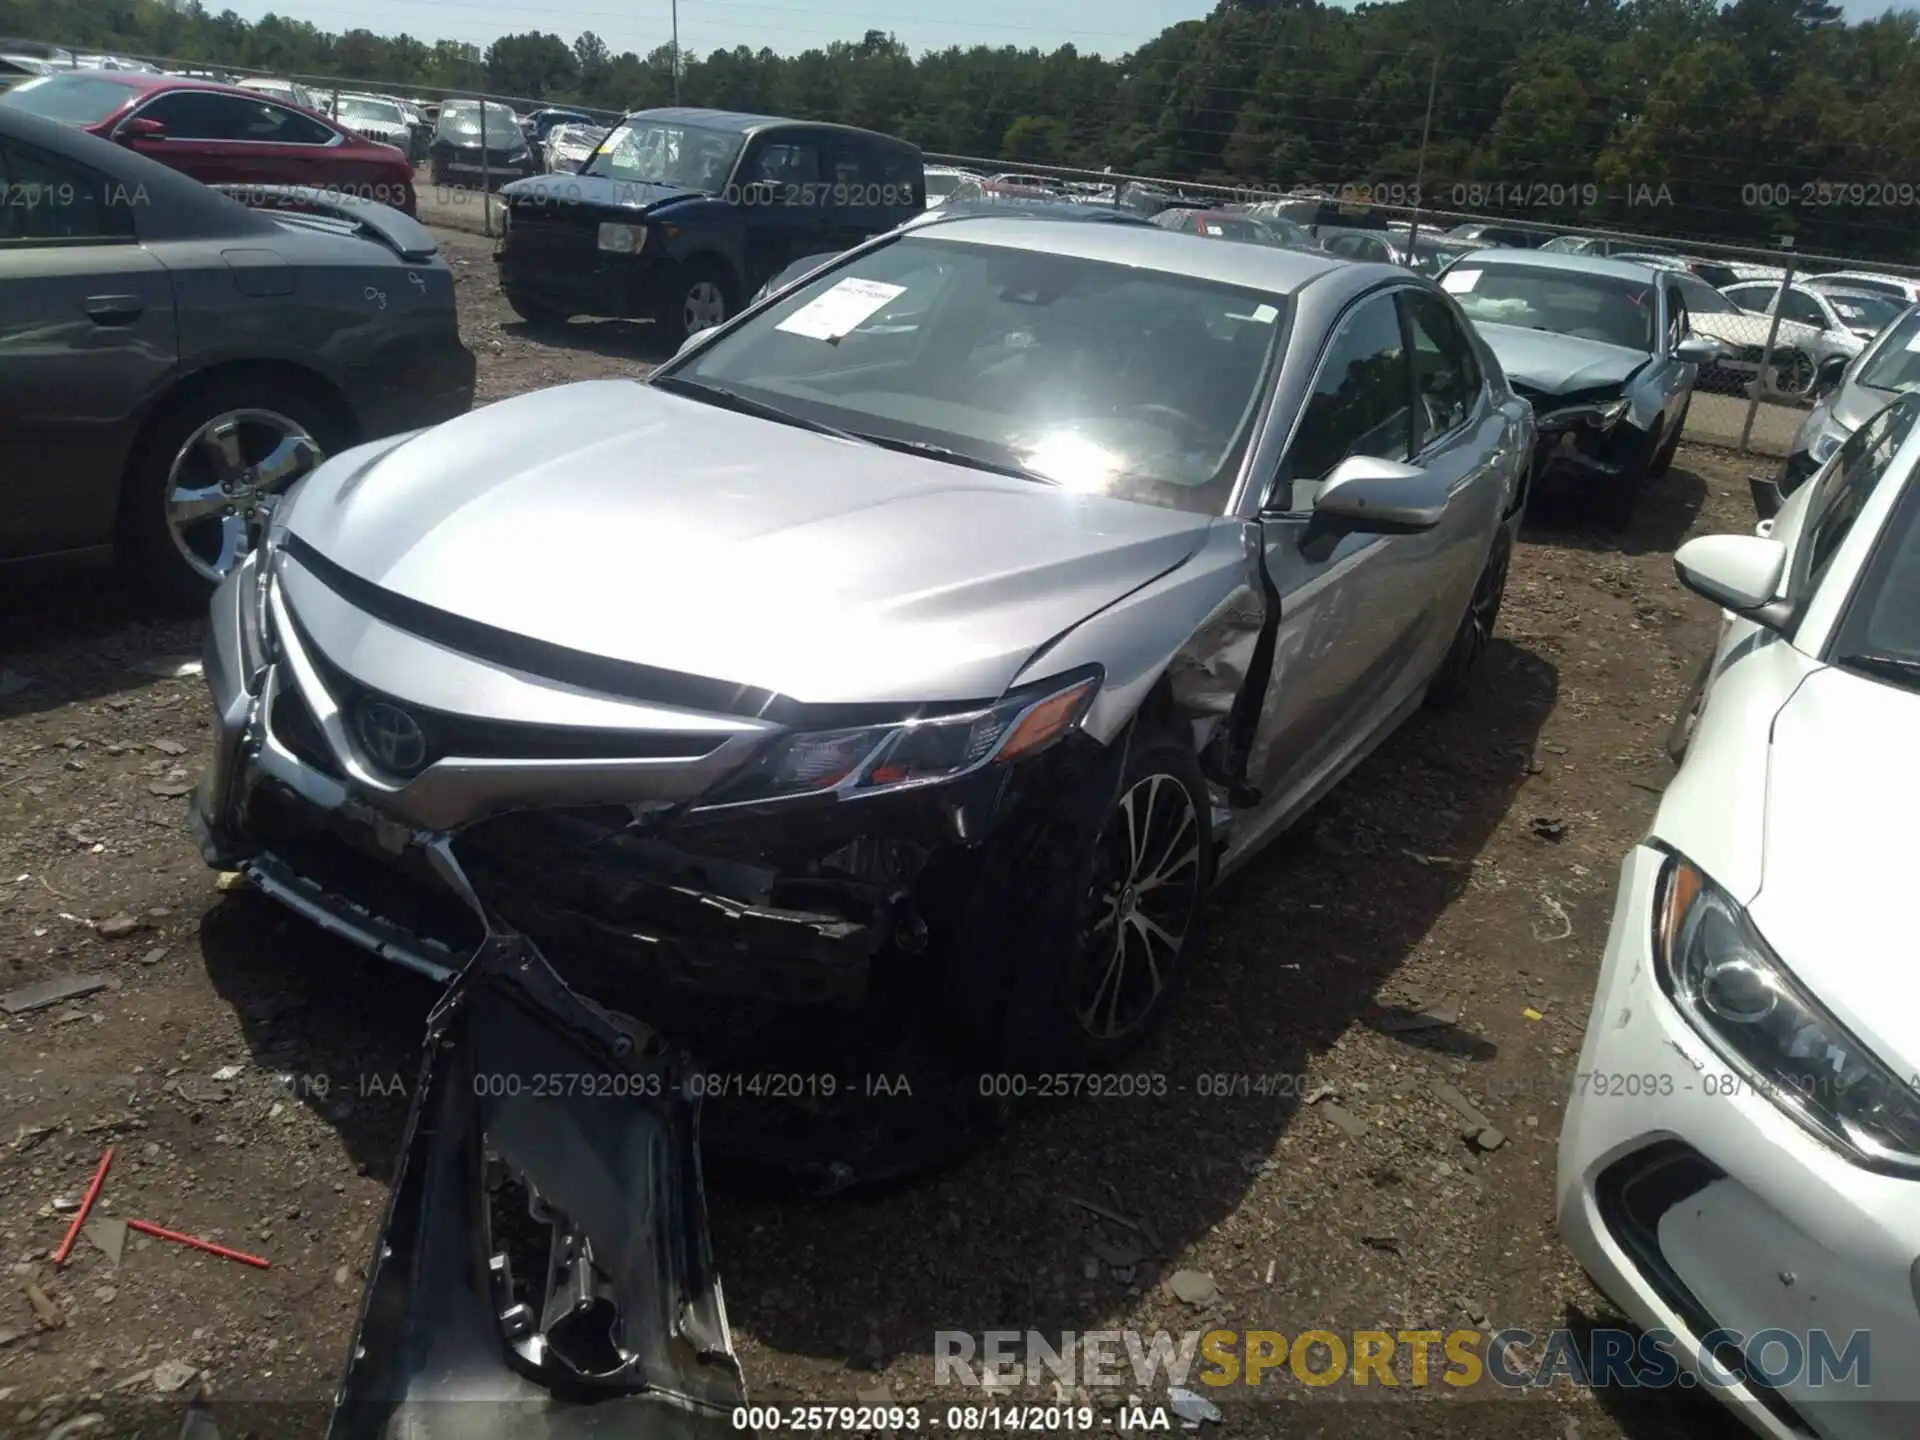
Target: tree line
pixel 1746 123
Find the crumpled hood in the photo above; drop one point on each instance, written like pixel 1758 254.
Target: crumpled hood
pixel 614 518
pixel 1559 364
pixel 600 191
pixel 1841 789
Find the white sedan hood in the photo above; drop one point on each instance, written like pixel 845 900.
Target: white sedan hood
pixel 1843 794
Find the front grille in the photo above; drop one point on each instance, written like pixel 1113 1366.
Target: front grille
pixel 549 236
pixel 341 857
pixel 471 737
pixel 293 725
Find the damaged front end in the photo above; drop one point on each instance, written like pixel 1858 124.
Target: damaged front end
pixel 544 1268
pixel 1583 436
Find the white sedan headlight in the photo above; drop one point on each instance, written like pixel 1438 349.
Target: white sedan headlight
pixel 623 239
pixel 1714 966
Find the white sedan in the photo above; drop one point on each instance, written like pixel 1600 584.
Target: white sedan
pixel 1740 1161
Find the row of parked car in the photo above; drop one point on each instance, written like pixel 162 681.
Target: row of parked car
pixel 1141 541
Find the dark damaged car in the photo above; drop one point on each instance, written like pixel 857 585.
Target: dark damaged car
pixel 1602 350
pixel 681 214
pixel 910 655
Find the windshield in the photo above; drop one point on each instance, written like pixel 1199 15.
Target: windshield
pixel 371 112
pixel 1896 358
pixel 1107 378
pixel 1865 314
pixel 69 99
pixel 464 115
pixel 1563 302
pixel 1430 258
pixel 940 186
pixel 685 157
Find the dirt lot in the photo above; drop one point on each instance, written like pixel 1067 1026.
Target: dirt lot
pixel 250 1072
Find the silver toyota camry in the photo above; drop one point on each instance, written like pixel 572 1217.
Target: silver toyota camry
pixel 928 638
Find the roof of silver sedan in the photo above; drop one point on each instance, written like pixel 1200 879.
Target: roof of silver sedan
pixel 1557 260
pixel 1255 267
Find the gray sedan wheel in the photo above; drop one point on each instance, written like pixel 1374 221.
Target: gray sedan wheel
pixel 1150 871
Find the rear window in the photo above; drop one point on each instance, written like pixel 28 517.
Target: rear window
pixel 69 99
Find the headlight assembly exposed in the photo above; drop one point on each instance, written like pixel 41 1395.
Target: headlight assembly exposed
pixel 877 759
pixel 1714 966
pixel 1825 443
pixel 1602 416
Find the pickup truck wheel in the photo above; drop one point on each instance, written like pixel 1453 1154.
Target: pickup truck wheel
pixel 704 296
pixel 192 499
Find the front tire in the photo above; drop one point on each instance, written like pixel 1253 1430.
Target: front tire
pixel 1136 917
pixel 1614 499
pixel 1454 678
pixel 535 313
pixel 190 502
pixel 1664 461
pixel 705 294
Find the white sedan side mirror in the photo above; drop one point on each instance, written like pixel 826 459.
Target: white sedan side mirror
pixel 1741 573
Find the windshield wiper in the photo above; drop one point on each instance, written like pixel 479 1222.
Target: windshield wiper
pixel 733 400
pixel 1901 669
pixel 957 457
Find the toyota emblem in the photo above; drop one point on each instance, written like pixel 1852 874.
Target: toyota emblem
pixel 392 738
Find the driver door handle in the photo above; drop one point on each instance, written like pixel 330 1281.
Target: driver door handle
pixel 115 309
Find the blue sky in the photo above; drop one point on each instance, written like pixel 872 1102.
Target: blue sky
pixel 1108 27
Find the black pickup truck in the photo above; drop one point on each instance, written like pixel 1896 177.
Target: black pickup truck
pixel 683 213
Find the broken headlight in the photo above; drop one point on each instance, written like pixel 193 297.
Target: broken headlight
pixel 1602 416
pixel 1714 966
pixel 881 758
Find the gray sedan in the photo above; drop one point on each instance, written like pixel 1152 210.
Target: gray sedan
pixel 931 669
pixel 168 356
pixel 1603 351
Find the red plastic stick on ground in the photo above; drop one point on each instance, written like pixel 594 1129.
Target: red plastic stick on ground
pixel 147 1227
pixel 86 1205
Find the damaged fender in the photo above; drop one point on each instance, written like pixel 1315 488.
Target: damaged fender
pixel 544 1267
pixel 1207 628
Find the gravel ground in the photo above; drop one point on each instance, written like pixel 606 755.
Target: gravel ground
pixel 250 1072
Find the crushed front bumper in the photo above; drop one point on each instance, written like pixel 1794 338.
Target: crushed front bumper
pixel 544 1267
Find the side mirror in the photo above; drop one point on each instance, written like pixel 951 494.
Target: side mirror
pixel 1368 496
pixel 1741 573
pixel 1697 350
pixel 140 128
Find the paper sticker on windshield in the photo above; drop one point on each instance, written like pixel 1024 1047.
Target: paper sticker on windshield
pixel 1265 314
pixel 1459 282
pixel 835 314
pixel 1215 230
